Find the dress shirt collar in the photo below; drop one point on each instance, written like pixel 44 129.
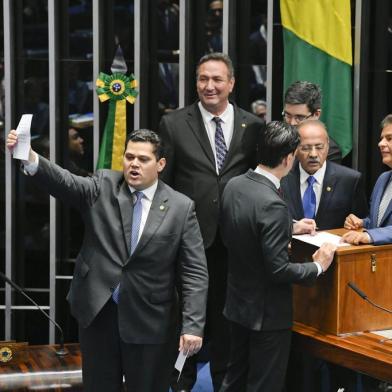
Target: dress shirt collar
pixel 267 174
pixel 147 192
pixel 319 175
pixel 225 116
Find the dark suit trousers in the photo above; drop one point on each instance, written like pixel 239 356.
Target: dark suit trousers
pixel 258 360
pixel 106 358
pixel 217 327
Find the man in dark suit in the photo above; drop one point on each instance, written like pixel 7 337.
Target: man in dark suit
pixel 302 101
pixel 378 224
pixel 208 143
pixel 336 190
pixel 141 239
pixel 256 228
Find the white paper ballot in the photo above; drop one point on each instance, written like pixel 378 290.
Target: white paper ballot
pixel 320 238
pixel 180 362
pixel 22 148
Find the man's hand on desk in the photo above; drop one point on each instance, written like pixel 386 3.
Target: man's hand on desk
pixel 352 222
pixel 304 226
pixel 357 238
pixel 324 255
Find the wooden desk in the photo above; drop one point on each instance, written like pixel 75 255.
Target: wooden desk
pixel 40 367
pixel 362 352
pixel 330 305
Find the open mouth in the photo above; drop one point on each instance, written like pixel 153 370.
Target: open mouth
pixel 134 174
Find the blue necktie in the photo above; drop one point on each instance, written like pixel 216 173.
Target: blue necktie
pixel 309 199
pixel 136 220
pixel 220 144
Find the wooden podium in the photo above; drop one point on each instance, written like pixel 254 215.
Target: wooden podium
pixel 333 307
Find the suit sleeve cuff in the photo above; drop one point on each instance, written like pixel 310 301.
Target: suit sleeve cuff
pixel 31 167
pixel 319 269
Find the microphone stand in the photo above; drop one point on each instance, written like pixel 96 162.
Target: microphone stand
pixel 61 352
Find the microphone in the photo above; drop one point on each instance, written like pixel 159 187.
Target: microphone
pixel 357 290
pixel 365 297
pixel 61 351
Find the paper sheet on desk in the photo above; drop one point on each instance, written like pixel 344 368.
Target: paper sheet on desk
pixel 22 148
pixel 386 333
pixel 320 238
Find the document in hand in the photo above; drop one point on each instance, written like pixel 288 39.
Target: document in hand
pixel 320 238
pixel 22 148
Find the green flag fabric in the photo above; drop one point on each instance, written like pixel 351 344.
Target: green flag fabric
pixel 318 49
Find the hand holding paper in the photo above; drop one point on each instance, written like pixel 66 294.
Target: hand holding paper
pixel 180 362
pixel 21 149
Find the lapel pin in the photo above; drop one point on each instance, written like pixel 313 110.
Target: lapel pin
pixel 329 189
pixel 161 207
pixel 243 125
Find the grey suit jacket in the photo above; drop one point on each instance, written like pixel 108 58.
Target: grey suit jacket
pixel 342 194
pixel 256 229
pixel 190 167
pixel 169 250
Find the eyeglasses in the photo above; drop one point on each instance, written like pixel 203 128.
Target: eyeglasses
pixel 310 147
pixel 298 118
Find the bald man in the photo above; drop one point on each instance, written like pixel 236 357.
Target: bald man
pixel 320 189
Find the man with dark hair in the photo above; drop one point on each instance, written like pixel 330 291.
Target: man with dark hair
pixel 302 101
pixel 378 224
pixel 141 240
pixel 256 228
pixel 319 189
pixel 208 143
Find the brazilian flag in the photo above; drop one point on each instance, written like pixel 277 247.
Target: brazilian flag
pixel 318 49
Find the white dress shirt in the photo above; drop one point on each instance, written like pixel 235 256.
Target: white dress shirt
pixel 148 195
pixel 227 125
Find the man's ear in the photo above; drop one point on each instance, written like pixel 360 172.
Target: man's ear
pixel 161 164
pixel 317 114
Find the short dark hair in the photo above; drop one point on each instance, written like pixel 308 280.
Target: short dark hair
pixel 277 141
pixel 216 56
pixel 146 136
pixel 304 93
pixel 387 120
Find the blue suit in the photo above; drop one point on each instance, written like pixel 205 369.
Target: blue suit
pixel 383 234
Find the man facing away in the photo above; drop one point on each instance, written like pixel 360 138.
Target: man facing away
pixel 256 228
pixel 302 101
pixel 208 143
pixel 141 239
pixel 320 189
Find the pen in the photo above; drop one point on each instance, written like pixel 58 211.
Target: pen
pixel 296 221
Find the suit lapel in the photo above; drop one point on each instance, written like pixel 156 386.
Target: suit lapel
pixel 379 197
pixel 126 209
pixel 158 210
pixel 196 124
pixel 327 191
